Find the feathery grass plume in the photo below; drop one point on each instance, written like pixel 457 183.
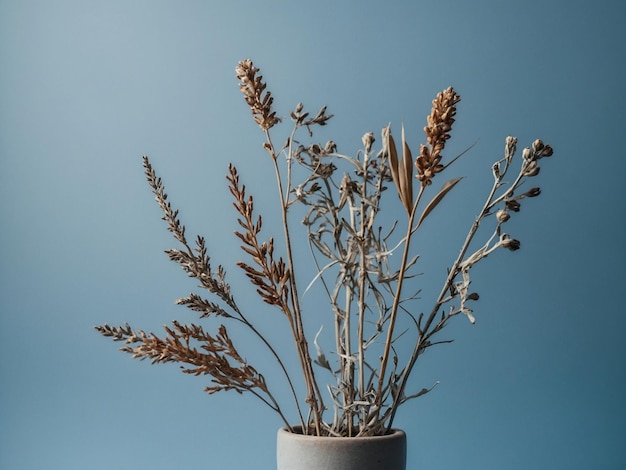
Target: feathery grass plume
pixel 196 263
pixel 273 277
pixel 180 345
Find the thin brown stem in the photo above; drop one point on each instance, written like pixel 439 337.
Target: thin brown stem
pixel 364 216
pixel 427 330
pixel 396 299
pixel 314 398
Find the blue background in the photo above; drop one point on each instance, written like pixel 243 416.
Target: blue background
pixel 86 88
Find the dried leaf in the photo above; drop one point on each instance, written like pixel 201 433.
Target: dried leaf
pixel 437 199
pixel 321 358
pixel 390 148
pixel 406 174
pixel 401 171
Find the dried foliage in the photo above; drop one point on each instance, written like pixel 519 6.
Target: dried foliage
pixel 214 359
pixel 271 277
pixel 342 197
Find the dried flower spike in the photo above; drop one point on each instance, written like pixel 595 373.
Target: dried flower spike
pixel 438 125
pixel 252 87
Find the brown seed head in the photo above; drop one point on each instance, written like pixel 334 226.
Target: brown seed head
pixel 252 87
pixel 437 130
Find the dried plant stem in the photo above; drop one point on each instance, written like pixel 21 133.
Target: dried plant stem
pixel 424 333
pixel 427 331
pixel 362 281
pixel 199 268
pixel 314 398
pixel 361 305
pixel 283 368
pixel 346 363
pixel 396 300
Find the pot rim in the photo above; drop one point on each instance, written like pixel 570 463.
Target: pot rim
pixel 394 433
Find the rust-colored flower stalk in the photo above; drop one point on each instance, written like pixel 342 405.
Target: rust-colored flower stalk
pixel 437 130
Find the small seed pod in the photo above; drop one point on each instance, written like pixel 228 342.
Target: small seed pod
pixel 527 154
pixel 502 216
pixel 512 205
pixel 533 192
pixel 510 243
pixel 547 151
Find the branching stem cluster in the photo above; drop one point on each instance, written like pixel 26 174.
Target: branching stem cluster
pixel 342 196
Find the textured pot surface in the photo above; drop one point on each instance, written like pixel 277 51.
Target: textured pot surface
pixel 298 452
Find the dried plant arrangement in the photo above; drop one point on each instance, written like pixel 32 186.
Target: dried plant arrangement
pixel 356 254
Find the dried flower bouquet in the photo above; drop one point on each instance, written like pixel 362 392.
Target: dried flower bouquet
pixel 342 197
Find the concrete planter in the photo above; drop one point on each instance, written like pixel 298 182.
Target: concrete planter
pixel 299 452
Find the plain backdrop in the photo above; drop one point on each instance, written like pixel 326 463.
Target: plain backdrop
pixel 87 88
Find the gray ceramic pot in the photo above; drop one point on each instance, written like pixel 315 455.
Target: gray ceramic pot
pixel 299 452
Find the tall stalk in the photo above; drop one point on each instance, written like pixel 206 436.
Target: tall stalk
pixel 314 398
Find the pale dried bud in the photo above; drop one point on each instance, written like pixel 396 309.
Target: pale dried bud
pixel 538 145
pixel 527 154
pixel 299 107
pixel 502 216
pixel 469 313
pixel 510 148
pixel 511 142
pixel 299 193
pixel 496 170
pixel 368 139
pixel 330 147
